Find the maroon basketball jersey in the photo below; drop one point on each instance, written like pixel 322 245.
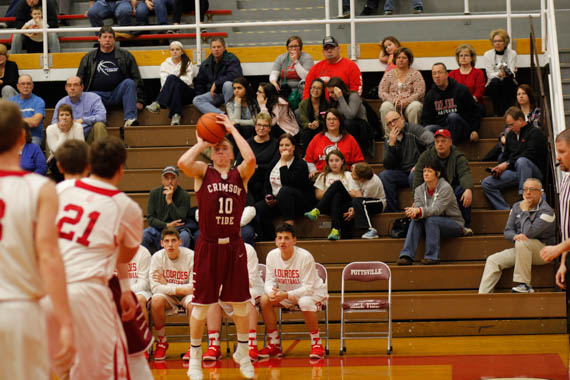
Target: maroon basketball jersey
pixel 221 202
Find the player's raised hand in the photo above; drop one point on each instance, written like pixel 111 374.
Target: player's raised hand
pixel 128 306
pixel 224 120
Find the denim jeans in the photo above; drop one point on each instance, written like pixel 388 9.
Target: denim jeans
pixel 18 43
pixel 125 95
pixel 388 5
pixel 524 169
pixel 434 227
pixel 102 9
pixel 151 238
pixel 459 128
pixel 161 8
pixel 392 180
pixel 174 95
pixel 206 103
pixel 465 211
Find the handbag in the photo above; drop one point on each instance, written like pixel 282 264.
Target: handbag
pixel 400 228
pixel 294 97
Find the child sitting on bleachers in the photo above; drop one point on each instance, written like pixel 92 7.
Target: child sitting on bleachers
pixel 372 201
pixel 34 23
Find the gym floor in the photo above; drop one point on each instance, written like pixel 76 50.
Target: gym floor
pixel 457 358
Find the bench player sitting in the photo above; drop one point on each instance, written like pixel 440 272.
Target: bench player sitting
pixel 171 284
pixel 214 318
pixel 291 279
pixel 139 268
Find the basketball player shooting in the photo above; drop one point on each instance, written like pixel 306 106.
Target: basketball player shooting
pixel 220 258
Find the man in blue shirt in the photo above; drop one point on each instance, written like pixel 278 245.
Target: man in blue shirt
pixel 88 109
pixel 32 106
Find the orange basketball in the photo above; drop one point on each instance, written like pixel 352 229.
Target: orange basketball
pixel 209 130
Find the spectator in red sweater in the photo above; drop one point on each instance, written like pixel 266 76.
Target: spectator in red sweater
pixel 468 75
pixel 334 66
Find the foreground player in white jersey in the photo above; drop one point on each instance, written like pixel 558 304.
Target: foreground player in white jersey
pixel 291 279
pixel 30 261
pixel 72 159
pixel 214 319
pixel 99 227
pixel 171 284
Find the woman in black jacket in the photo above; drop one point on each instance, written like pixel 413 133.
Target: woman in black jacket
pixel 8 74
pixel 289 191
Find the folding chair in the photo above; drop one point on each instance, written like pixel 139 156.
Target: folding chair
pixel 366 271
pixel 321 307
pixel 226 321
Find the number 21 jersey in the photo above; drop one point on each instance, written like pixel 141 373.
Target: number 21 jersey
pixel 93 218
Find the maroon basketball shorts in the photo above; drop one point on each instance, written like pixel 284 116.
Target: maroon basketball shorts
pixel 220 263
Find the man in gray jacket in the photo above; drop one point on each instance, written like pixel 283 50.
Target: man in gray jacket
pixel 402 149
pixel 531 227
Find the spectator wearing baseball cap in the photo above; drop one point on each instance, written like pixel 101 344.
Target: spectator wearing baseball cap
pixel 168 206
pixel 334 66
pixel 456 171
pixel 450 105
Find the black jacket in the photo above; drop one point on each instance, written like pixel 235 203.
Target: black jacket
pixel 455 98
pixel 405 154
pixel 127 65
pixel 23 13
pixel 230 69
pixel 296 176
pixel 530 144
pixel 11 75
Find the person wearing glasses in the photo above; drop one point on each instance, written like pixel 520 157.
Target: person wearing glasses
pixel 530 227
pixel 402 148
pixel 524 157
pixel 292 66
pixel 310 111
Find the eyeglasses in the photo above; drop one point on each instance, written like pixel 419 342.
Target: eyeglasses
pixel 332 119
pixel 392 122
pixel 316 88
pixel 293 46
pixel 528 189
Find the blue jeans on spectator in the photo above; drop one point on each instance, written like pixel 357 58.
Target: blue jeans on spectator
pixel 174 95
pixel 161 8
pixel 434 227
pixel 465 211
pixel 125 95
pixel 206 103
pixel 102 9
pixel 152 236
pixel 459 128
pixel 492 186
pixel 392 180
pixel 388 4
pixel 37 140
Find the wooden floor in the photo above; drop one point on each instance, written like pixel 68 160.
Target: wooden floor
pixel 457 358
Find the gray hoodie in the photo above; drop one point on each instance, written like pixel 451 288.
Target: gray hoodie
pixel 537 223
pixel 441 203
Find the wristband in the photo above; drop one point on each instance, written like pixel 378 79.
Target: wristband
pixel 125 285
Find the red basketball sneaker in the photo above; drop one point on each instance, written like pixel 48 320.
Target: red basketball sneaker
pixel 271 351
pixel 253 353
pixel 317 351
pixel 186 356
pixel 213 353
pixel 160 353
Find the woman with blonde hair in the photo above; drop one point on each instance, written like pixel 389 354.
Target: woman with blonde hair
pixel 501 68
pixel 8 74
pixel 468 75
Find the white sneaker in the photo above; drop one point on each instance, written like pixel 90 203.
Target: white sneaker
pixel 467 231
pixel 131 122
pixel 154 107
pixel 523 288
pixel 245 366
pixel 195 368
pixel 176 118
pixel 247 215
pixel 370 234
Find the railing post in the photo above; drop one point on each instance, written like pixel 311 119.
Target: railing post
pixel 509 20
pixel 45 54
pixel 543 24
pixel 327 17
pixel 198 33
pixel 352 32
pixel 339 8
pixel 466 7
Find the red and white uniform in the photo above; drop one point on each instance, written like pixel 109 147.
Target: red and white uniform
pixel 93 217
pixel 296 276
pixel 176 272
pixel 344 68
pixel 139 273
pixel 220 258
pixel 23 338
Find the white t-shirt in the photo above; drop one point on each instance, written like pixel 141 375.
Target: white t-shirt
pixel 275 176
pixel 254 277
pixel 19 272
pixel 176 272
pixel 139 267
pixel 37 37
pixel 373 188
pixel 93 218
pixel 323 183
pixel 297 276
pixel 55 137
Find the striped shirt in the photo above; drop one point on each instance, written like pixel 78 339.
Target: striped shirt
pixel 565 206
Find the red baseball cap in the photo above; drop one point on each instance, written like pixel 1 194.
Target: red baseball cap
pixel 442 132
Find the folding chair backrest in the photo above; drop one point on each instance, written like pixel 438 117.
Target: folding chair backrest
pixel 321 272
pixel 261 268
pixel 366 271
